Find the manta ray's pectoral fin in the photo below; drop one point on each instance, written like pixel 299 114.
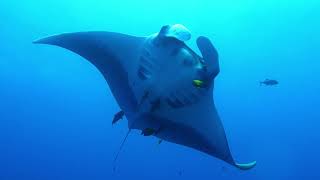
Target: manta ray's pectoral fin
pixel 246 166
pixel 205 134
pixel 115 55
pixel 211 62
pixel 210 56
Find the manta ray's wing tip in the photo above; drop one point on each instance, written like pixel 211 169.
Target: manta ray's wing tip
pixel 38 41
pixel 45 40
pixel 246 166
pixel 41 41
pixel 51 39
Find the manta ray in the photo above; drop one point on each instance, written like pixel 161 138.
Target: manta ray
pixel 162 86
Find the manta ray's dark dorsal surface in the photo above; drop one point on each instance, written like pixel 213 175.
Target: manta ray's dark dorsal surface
pixel 163 87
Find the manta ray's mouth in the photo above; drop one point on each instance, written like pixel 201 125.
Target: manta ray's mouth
pixel 171 76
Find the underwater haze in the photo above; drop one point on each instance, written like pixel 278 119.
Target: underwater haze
pixel 56 108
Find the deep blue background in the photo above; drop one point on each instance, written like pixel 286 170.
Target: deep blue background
pixel 56 109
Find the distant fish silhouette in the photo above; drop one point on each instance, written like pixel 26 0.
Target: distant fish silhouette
pixel 140 70
pixel 269 82
pixel 117 117
pixel 148 132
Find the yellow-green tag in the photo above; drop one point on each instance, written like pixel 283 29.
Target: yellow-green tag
pixel 198 83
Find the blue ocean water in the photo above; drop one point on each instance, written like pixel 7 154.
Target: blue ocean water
pixel 56 109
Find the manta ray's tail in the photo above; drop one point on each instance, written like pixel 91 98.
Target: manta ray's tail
pixel 246 166
pixel 121 146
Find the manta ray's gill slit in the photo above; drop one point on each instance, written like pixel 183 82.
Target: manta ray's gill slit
pixel 146 62
pixel 185 98
pixel 193 98
pixel 195 95
pixel 143 73
pixel 171 103
pixel 145 68
pixel 146 65
pixel 146 52
pixel 176 101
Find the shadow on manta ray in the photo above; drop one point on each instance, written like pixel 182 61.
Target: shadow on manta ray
pixel 162 86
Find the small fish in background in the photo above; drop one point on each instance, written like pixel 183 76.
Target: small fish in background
pixel 148 132
pixel 269 82
pixel 117 117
